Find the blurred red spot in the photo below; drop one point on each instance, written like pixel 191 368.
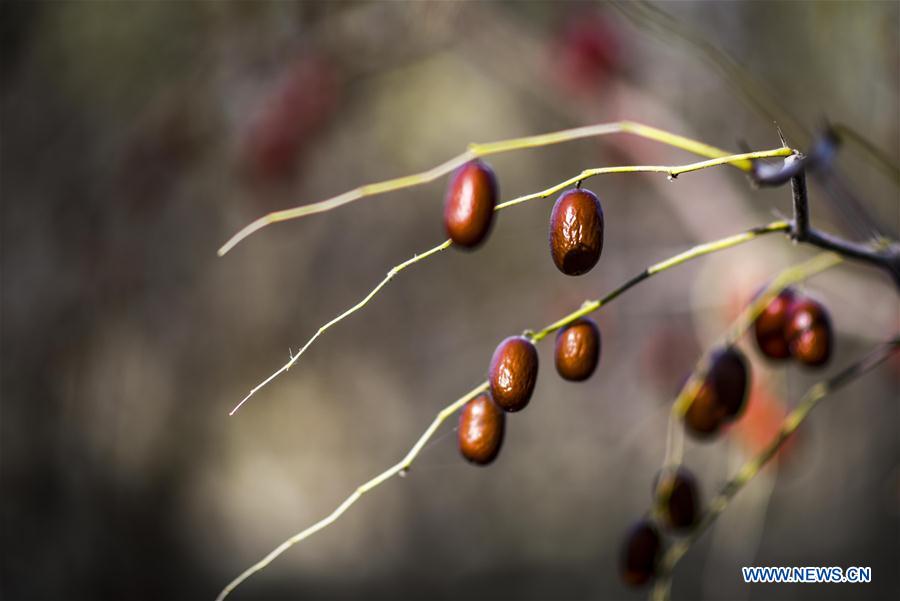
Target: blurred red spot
pixel 762 421
pixel 586 53
pixel 288 118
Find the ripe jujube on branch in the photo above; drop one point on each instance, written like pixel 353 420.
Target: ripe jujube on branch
pixel 513 373
pixel 577 350
pixel 770 327
pixel 722 394
pixel 481 427
pixel 469 204
pixel 576 231
pixel 809 333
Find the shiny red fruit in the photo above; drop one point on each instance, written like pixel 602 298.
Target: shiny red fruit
pixel 469 204
pixel 809 333
pixel 513 373
pixel 578 350
pixel 480 432
pixel 576 231
pixel 770 327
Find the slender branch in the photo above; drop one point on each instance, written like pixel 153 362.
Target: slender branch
pixel 883 254
pixel 481 150
pixel 752 467
pixel 392 471
pixel 672 171
pixel 697 251
pixel 800 204
pixel 390 275
pixel 406 462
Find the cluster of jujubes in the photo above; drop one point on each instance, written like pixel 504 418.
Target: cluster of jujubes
pixel 795 326
pixel 676 502
pixel 576 241
pixel 512 374
pixel 576 221
pixel 790 326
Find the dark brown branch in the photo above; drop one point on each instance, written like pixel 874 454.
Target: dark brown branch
pixel 884 255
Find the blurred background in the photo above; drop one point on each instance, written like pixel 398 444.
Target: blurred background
pixel 137 137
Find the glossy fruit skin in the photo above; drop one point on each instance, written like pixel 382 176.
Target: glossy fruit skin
pixel 576 231
pixel 640 554
pixel 577 350
pixel 722 395
pixel 809 333
pixel 480 432
pixel 677 497
pixel 469 204
pixel 770 328
pixel 513 373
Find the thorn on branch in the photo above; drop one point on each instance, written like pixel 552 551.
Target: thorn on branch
pixel 819 156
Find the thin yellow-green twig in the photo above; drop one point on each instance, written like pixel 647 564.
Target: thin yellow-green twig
pixel 406 462
pixel 397 468
pixel 670 170
pixel 390 275
pixel 481 150
pixel 697 251
pixel 753 466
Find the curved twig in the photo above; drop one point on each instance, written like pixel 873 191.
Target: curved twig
pixel 587 307
pixel 482 150
pixel 671 171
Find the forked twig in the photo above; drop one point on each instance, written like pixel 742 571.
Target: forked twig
pixel 482 150
pixel 586 308
pixel 671 171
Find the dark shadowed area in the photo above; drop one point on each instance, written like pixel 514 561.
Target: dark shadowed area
pixel 137 137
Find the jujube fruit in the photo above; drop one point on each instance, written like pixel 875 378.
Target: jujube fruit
pixel 576 231
pixel 469 204
pixel 578 350
pixel 722 394
pixel 705 415
pixel 770 327
pixel 640 554
pixel 677 498
pixel 480 432
pixel 809 333
pixel 513 372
